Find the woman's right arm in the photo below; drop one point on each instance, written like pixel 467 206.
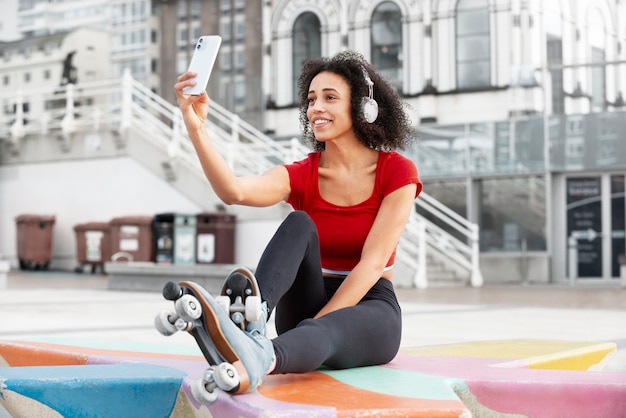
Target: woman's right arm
pixel 264 190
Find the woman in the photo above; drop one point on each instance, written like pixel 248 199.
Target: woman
pixel 328 268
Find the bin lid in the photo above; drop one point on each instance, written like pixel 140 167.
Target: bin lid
pixel 164 217
pixel 27 218
pixel 132 220
pixel 213 217
pixel 185 219
pixel 92 226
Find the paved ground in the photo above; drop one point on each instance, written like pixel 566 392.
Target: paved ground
pixel 72 308
pixel 77 309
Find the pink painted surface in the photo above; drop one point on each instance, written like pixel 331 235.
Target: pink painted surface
pixel 531 392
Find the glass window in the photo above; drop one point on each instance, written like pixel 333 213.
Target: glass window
pixel 306 45
pixel 598 81
pixel 225 61
pixel 512 214
pixel 240 92
pixel 596 39
pixel 240 61
pixel 195 9
pixel 386 41
pixel 473 53
pixel 555 57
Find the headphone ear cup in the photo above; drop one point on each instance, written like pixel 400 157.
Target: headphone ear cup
pixel 370 109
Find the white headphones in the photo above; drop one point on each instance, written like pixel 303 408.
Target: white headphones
pixel 369 106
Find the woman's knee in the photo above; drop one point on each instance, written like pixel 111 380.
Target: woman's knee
pixel 298 223
pixel 300 218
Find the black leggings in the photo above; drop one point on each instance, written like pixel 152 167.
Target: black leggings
pixel 290 278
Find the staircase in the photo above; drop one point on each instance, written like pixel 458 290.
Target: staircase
pixel 151 130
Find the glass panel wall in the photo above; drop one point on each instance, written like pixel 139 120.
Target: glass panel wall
pixel 512 214
pixel 576 142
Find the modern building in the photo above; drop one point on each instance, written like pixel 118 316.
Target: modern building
pixel 518 104
pixel 519 107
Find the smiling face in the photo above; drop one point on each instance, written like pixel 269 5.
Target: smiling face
pixel 329 107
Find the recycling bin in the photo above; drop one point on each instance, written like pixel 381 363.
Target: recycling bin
pixel 163 234
pixel 93 245
pixel 131 238
pixel 215 238
pixel 34 240
pixel 184 239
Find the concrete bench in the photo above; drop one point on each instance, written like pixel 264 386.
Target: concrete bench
pixel 494 379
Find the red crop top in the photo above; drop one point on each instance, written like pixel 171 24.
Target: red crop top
pixel 343 229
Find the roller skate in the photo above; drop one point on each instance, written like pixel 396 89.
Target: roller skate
pixel 240 297
pixel 238 358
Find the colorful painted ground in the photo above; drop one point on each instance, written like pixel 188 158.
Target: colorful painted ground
pixel 512 378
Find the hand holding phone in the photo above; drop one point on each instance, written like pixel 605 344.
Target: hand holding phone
pixel 202 62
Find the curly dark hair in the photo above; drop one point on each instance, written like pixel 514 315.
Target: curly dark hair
pixel 392 129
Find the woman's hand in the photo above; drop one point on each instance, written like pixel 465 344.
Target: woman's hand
pixel 194 108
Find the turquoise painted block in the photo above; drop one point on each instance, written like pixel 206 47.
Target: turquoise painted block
pixel 115 390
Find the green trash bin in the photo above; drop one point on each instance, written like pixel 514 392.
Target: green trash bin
pixel 184 239
pixel 163 234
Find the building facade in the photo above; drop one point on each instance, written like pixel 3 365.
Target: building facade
pixel 518 104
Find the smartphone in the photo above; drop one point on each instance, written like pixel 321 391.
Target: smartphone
pixel 202 61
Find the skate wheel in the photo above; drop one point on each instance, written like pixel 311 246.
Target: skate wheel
pixel 253 308
pixel 224 303
pixel 226 377
pixel 188 308
pixel 164 323
pixel 203 391
pixel 171 291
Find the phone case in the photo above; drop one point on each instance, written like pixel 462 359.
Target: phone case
pixel 202 61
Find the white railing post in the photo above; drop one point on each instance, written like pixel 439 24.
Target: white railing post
pixel 173 148
pixel 421 279
pixel 127 100
pixel 17 127
pixel 234 141
pixel 572 258
pixel 68 124
pixel 476 279
pixel 295 146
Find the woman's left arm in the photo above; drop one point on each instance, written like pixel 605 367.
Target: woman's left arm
pixel 381 241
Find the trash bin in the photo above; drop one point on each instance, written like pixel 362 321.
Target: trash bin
pixel 34 240
pixel 131 238
pixel 163 234
pixel 93 245
pixel 215 241
pixel 184 239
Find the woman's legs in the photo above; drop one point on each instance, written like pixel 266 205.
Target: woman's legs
pixel 290 279
pixel 289 273
pixel 366 334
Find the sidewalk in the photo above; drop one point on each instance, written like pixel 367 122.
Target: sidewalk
pixel 77 309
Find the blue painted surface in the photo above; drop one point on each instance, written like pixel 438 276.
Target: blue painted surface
pixel 116 390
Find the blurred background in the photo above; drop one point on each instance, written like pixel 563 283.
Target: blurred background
pixel 518 107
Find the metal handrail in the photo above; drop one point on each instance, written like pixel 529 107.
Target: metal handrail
pixel 123 105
